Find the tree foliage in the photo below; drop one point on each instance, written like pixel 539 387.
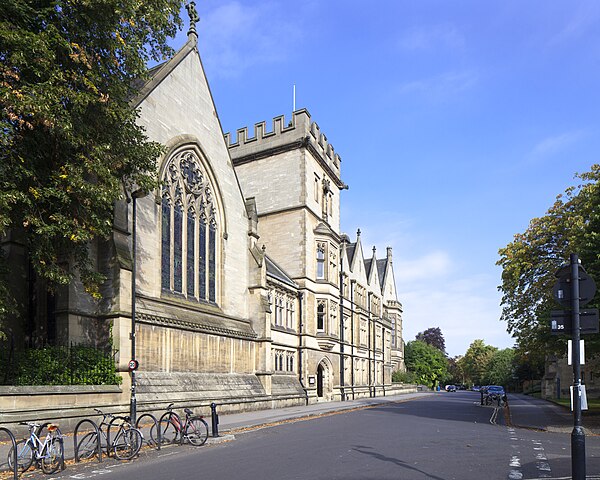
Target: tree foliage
pixel 500 368
pixel 474 362
pixel 530 261
pixel 69 142
pixel 427 363
pixel 456 373
pixel 434 337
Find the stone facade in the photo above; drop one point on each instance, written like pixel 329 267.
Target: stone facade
pixel 247 293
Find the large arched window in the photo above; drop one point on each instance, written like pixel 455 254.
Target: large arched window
pixel 189 229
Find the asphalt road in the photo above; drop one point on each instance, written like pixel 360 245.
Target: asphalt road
pixel 440 437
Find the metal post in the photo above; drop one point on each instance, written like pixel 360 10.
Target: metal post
pixel 133 400
pixel 215 419
pixel 577 435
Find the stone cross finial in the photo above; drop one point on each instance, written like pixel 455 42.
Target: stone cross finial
pixel 193 14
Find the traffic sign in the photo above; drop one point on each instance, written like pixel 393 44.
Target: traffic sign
pixel 563 288
pixel 133 365
pixel 561 321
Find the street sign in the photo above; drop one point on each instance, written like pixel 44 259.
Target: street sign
pixel 133 365
pixel 562 288
pixel 561 321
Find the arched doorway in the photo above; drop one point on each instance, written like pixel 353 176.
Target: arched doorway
pixel 324 380
pixel 320 375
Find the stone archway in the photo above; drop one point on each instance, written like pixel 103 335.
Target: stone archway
pixel 324 380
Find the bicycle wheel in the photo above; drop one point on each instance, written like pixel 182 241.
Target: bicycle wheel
pixel 87 447
pixel 24 456
pixel 196 431
pixel 53 456
pixel 127 443
pixel 169 427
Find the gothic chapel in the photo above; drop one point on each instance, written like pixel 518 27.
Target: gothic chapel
pixel 246 294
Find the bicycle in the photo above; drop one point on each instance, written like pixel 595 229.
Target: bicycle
pixel 193 429
pixel 125 445
pixel 49 453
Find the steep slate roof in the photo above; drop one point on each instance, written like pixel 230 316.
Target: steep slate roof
pixel 381 264
pixel 350 249
pixel 275 271
pixel 368 266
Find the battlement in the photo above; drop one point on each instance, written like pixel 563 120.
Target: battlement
pixel 299 131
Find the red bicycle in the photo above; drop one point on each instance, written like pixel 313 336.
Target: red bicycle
pixel 172 429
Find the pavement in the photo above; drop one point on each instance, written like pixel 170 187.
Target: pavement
pixel 529 412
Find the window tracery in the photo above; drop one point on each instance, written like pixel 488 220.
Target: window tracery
pixel 189 229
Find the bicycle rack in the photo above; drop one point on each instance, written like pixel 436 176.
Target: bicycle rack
pixel 156 425
pixel 14 447
pixel 99 440
pixel 110 424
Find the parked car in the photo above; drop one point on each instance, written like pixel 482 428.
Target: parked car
pixel 451 388
pixel 495 390
pixel 475 388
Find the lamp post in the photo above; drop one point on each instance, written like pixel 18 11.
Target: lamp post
pixel 133 363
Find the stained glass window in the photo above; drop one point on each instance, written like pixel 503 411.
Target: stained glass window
pixel 166 244
pixel 211 263
pixel 189 230
pixel 191 285
pixel 202 259
pixel 177 254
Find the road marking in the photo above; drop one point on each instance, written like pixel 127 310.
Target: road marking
pixel 494 416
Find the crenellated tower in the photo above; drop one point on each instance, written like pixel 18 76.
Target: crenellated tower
pixel 293 174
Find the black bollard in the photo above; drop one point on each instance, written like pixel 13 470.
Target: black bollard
pixel 481 392
pixel 215 419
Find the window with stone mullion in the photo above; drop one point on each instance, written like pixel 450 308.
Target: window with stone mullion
pixel 189 230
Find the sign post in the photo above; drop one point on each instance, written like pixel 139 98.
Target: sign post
pixel 574 289
pixel 577 435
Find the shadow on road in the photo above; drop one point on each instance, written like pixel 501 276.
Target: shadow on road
pixel 455 407
pixel 401 463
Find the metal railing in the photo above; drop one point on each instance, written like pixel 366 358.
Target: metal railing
pixel 57 365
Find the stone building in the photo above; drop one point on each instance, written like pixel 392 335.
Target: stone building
pixel 247 293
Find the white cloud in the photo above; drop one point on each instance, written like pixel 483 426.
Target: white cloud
pixel 551 145
pixel 431 38
pixel 585 17
pixel 235 37
pixel 464 309
pixel 432 265
pixel 441 87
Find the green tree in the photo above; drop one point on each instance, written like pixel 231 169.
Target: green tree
pixel 69 142
pixel 475 361
pixel 500 368
pixel 530 261
pixel 428 364
pixel 456 372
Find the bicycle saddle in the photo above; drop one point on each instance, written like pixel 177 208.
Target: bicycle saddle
pixel 188 411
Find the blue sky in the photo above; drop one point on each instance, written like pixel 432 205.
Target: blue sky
pixel 457 122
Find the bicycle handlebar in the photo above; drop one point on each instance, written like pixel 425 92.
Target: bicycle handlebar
pixel 30 424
